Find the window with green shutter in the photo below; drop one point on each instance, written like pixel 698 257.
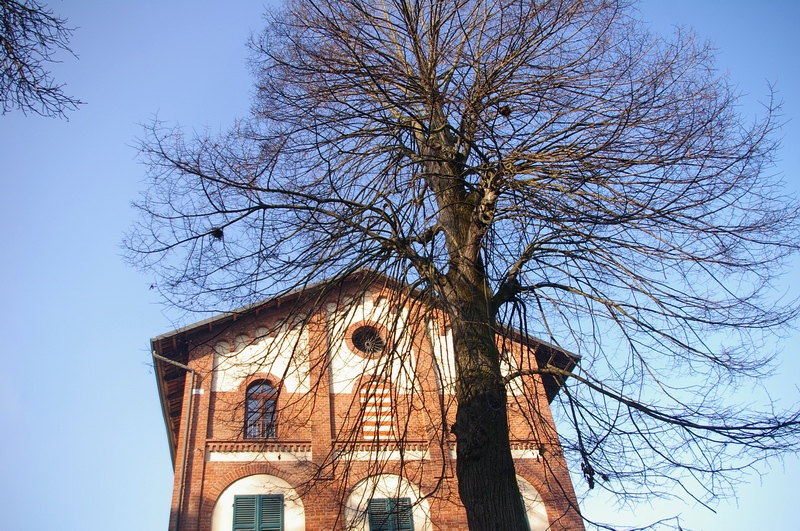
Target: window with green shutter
pixel 390 514
pixel 258 513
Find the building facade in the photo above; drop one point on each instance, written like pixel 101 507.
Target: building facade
pixel 329 410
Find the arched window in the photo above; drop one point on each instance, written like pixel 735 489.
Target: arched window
pixel 387 502
pixel 259 502
pixel 260 411
pixel 535 513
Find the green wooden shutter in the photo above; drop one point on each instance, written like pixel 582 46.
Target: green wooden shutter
pixel 258 513
pixel 378 513
pixel 390 514
pixel 402 514
pixel 244 513
pixel 271 513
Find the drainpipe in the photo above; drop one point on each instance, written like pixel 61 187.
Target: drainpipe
pixel 182 477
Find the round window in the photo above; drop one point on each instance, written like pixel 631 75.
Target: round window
pixel 368 340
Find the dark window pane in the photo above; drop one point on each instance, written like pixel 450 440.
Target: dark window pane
pixel 260 406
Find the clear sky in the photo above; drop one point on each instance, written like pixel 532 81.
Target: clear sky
pixel 82 441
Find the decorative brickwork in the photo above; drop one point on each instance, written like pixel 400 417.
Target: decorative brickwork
pixel 376 416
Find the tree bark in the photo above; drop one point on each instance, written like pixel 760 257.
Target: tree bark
pixel 486 477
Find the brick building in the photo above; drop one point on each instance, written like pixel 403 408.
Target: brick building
pixel 328 409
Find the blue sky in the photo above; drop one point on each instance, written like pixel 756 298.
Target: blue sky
pixel 82 443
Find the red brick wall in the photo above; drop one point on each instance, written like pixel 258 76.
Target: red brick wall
pixel 325 422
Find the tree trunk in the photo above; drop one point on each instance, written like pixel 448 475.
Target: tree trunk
pixel 487 482
pixel 486 478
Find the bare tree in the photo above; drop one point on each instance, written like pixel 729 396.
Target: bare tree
pixel 30 36
pixel 548 166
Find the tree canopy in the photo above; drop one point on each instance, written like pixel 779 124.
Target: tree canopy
pixel 30 36
pixel 550 166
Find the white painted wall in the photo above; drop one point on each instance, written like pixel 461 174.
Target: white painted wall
pixel 285 355
pixel 348 367
pixel 534 506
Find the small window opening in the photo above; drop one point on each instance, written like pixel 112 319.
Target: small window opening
pixel 368 339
